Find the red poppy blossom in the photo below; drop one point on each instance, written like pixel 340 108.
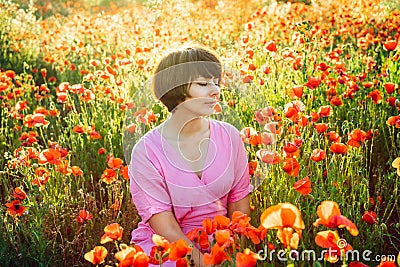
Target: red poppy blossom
pixel 331 240
pixel 292 109
pixel 393 121
pixel 271 46
pixel 369 217
pixel 50 155
pixel 124 172
pixel 101 151
pixel 333 136
pixel 109 176
pixel 78 129
pixel 132 256
pixel 375 96
pixel 336 101
pixel 338 148
pixel 112 232
pixel 303 186
pixel 313 82
pixel 19 193
pixel 325 111
pixel 318 155
pixel 356 138
pixel 295 91
pixel 114 163
pixel 390 87
pixel 252 166
pixel 321 127
pixel 390 45
pixel 83 216
pixel 247 258
pixel 284 217
pixel 217 256
pixel 96 255
pixel 330 216
pixel 76 171
pixel 291 166
pixel 15 208
pixel 35 120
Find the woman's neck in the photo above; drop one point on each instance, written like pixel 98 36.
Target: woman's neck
pixel 183 126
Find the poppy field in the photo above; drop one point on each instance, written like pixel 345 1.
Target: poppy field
pixel 312 86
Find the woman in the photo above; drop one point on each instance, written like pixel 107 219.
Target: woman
pixel 189 168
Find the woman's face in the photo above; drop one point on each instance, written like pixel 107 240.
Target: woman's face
pixel 204 95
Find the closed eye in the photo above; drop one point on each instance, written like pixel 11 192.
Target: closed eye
pixel 206 83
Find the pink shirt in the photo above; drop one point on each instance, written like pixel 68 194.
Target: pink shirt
pixel 162 181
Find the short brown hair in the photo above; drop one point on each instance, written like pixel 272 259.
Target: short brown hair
pixel 175 71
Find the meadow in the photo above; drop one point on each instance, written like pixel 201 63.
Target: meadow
pixel 313 86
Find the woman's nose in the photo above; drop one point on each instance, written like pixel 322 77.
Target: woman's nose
pixel 215 91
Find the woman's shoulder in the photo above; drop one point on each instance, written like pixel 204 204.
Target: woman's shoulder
pixel 147 141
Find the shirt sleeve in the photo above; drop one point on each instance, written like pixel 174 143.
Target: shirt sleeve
pixel 241 186
pixel 147 185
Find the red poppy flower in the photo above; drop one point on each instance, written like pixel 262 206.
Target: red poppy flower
pixel 375 96
pixel 357 264
pixel 247 258
pixel 76 171
pixel 199 236
pixel 252 166
pixel 321 127
pixel 333 136
pixel 50 155
pixel 19 194
pixel 83 216
pixel 330 216
pixel 284 217
pixel 112 232
pixel 15 208
pixel 132 256
pixel 124 172
pixel 78 129
pixel 35 120
pixel 290 147
pixel 387 264
pixel 131 128
pixel 291 166
pixel 336 101
pixel 313 82
pixel 331 240
pixel 338 148
pixel 303 186
pixel 94 135
pixel 369 217
pixel 295 91
pixel 393 121
pixel 114 163
pixel 356 138
pixel 217 256
pixel 101 151
pixel 292 109
pixel 318 155
pixel 390 87
pixel 390 45
pixel 325 111
pixel 271 46
pixel 96 255
pixel 392 101
pixel 179 249
pixel 109 176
